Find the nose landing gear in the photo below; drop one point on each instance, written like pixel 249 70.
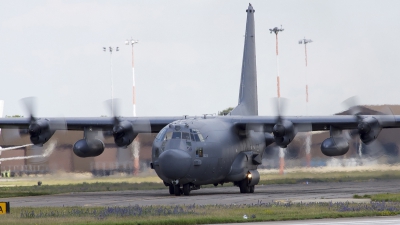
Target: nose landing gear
pixel 245 187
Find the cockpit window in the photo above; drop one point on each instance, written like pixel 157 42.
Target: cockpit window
pixel 168 136
pixel 161 134
pixel 176 135
pixel 185 135
pixel 196 136
pixel 201 137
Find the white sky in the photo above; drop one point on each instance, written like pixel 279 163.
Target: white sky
pixel 189 57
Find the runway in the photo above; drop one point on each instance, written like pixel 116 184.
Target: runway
pixel 218 195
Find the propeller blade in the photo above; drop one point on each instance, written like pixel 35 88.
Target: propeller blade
pixel 29 104
pixel 113 107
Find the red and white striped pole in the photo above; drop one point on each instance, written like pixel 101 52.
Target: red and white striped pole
pixel 308 137
pixel 136 142
pixel 282 151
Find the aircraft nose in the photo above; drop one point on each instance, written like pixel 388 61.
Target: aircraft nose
pixel 174 163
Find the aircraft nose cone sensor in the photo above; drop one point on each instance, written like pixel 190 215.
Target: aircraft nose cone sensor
pixel 174 164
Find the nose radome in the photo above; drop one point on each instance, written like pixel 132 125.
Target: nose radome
pixel 174 163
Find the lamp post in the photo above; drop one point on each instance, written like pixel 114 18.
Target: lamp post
pixel 276 30
pixel 308 138
pixel 111 49
pixel 132 43
pixel 136 142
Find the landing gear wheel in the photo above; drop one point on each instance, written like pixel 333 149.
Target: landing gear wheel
pixel 177 190
pixel 251 189
pixel 186 189
pixel 243 185
pixel 171 189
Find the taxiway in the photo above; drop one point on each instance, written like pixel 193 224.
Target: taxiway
pixel 340 191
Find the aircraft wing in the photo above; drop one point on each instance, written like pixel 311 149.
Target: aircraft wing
pixel 143 124
pixel 318 123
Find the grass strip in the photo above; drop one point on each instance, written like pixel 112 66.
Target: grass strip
pixel 194 214
pixel 6 192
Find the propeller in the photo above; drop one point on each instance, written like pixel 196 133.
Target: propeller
pixel 123 130
pixel 369 128
pixel 40 130
pixel 283 130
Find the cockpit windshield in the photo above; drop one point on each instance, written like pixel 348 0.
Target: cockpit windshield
pixel 194 135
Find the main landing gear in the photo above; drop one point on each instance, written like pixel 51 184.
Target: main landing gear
pixel 177 190
pixel 185 190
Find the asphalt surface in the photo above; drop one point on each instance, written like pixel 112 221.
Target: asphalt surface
pixel 221 195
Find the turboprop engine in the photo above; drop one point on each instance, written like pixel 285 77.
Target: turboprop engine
pixel 40 131
pixel 123 133
pixel 369 129
pixel 284 133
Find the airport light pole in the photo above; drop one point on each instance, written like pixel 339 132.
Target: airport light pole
pixel 308 138
pixel 276 30
pixel 132 43
pixel 136 142
pixel 111 49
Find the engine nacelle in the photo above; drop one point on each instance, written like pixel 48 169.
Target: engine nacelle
pixel 335 146
pixel 88 148
pixel 123 134
pixel 284 133
pixel 369 129
pixel 40 132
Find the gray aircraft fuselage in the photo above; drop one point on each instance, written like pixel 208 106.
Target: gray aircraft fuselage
pixel 201 151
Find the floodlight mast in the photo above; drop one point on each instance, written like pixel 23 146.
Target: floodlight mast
pixel 308 137
pixel 111 49
pixel 276 30
pixel 132 42
pixel 136 141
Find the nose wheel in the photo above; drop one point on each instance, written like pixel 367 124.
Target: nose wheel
pixel 244 186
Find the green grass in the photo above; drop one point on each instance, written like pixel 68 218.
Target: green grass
pixel 191 214
pixel 386 197
pixel 315 177
pixel 82 187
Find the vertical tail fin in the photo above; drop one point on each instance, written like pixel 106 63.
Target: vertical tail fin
pixel 248 103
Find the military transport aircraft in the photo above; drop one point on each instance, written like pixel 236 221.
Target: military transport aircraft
pixel 192 151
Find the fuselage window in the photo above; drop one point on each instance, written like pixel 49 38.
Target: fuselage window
pixel 192 135
pixel 185 135
pixel 176 135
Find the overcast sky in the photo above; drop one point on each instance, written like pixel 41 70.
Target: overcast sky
pixel 189 55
